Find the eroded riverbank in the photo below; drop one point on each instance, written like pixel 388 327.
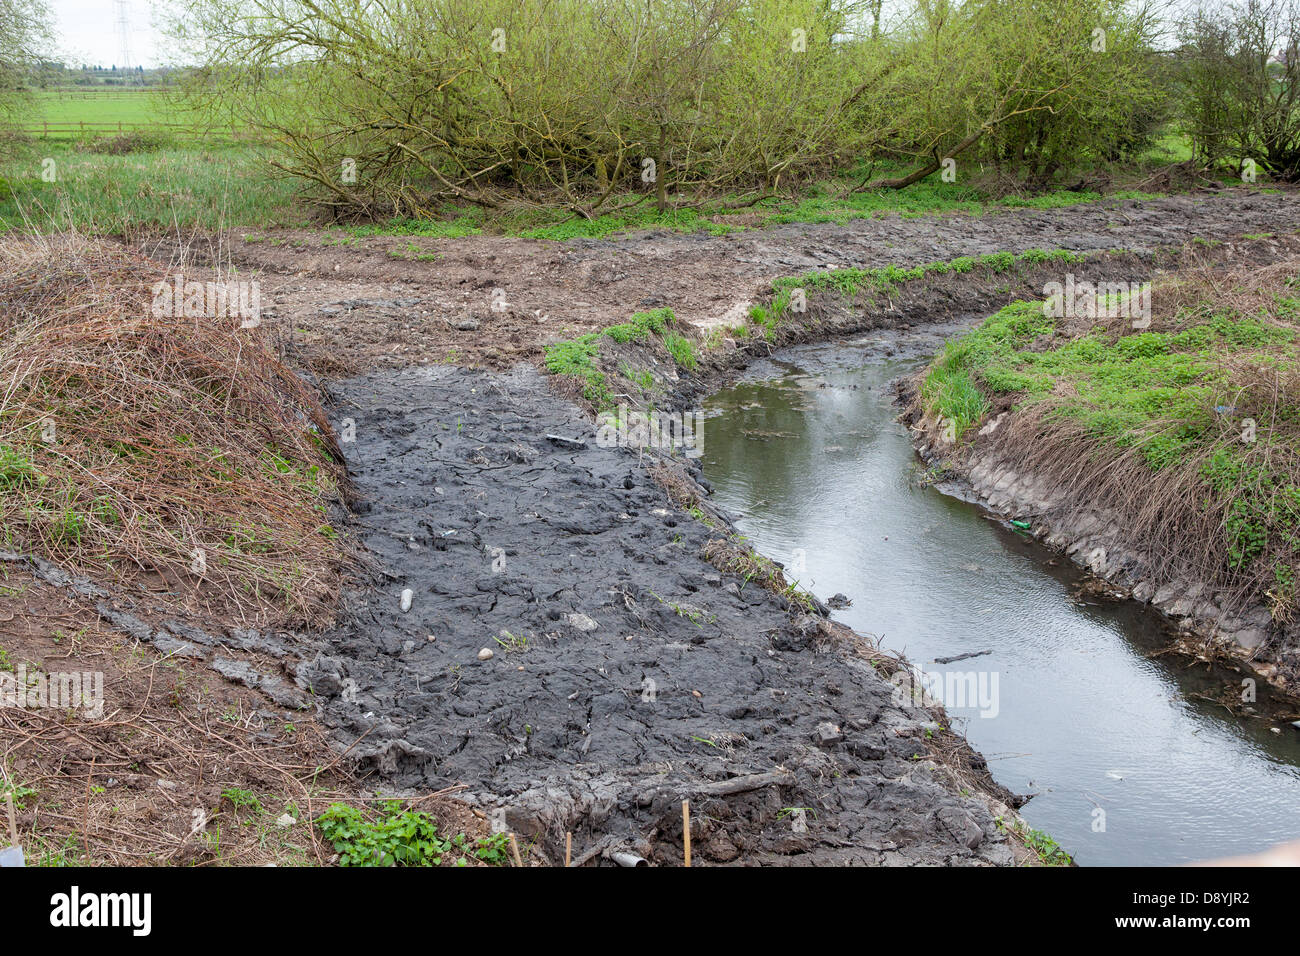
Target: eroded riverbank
pixel 1131 753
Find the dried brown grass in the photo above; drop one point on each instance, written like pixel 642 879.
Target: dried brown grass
pixel 171 448
pixel 1181 521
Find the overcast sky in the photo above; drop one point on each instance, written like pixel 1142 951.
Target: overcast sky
pixel 87 32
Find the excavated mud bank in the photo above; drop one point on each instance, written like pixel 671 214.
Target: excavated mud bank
pixel 346 308
pixel 627 674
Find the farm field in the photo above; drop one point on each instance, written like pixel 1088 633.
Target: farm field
pixel 69 114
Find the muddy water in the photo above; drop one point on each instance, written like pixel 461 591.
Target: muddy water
pixel 1130 759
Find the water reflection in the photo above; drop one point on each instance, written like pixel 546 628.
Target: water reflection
pixel 1131 758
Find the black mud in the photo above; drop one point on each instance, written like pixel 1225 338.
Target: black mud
pixel 628 674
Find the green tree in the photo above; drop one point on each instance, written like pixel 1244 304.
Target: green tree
pixel 24 38
pixel 1240 85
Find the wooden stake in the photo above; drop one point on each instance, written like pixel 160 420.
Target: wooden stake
pixel 514 848
pixel 9 802
pixel 568 847
pixel 686 829
pixel 13 827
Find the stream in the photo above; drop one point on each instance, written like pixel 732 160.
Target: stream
pixel 1130 756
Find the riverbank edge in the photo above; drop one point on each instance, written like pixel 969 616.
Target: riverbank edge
pixel 1096 545
pixel 1094 541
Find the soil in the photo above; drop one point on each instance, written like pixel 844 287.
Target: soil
pixel 626 672
pixel 342 309
pixel 192 725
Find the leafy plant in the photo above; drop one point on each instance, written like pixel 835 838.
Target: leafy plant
pixel 493 850
pixel 395 837
pixel 242 800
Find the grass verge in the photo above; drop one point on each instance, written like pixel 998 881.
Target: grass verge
pixel 1185 423
pixel 146 181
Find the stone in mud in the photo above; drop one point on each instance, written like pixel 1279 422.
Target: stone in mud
pixel 1166 594
pixel 465 323
pixel 962 826
pixel 581 622
pixel 828 734
pixel 1250 638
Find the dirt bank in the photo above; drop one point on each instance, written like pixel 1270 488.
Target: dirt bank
pixel 344 305
pixel 1183 563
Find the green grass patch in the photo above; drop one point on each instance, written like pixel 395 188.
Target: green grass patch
pixel 764 319
pixel 850 282
pixel 1209 394
pixel 1157 391
pixel 16 470
pixel 578 357
pixel 189 187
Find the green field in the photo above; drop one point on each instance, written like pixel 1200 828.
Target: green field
pixel 77 114
pixel 66 114
pixel 184 176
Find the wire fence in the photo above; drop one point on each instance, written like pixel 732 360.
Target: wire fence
pixel 61 130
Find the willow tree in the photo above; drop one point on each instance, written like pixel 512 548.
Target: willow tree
pixel 400 106
pixel 1239 68
pixel 24 38
pixel 591 104
pixel 1038 85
